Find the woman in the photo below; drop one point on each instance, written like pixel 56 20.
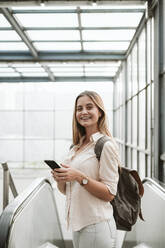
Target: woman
pixel 89 185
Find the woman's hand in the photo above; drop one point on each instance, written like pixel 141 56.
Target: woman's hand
pixel 66 174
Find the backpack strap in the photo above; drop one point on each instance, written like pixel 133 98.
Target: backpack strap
pixel 71 146
pixel 141 188
pixel 99 146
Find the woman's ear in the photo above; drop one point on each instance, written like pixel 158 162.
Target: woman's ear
pixel 100 114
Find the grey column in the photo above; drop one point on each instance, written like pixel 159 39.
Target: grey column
pixel 159 91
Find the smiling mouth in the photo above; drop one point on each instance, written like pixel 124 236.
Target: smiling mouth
pixel 85 118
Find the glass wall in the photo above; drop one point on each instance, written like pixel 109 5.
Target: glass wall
pixel 36 119
pixel 135 80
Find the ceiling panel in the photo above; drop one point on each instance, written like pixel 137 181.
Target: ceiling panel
pixel 48 20
pixel 80 39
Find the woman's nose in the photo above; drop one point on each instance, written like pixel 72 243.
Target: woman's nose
pixel 84 111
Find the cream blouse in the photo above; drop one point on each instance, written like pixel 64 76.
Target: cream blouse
pixel 83 208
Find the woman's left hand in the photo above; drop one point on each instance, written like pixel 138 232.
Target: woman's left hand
pixel 66 174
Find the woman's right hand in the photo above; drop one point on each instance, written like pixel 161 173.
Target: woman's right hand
pixel 58 176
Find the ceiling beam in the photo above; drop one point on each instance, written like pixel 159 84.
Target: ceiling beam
pixel 57 79
pixel 7 3
pixel 48 71
pixel 14 23
pixel 80 27
pixel 74 11
pixel 51 56
pixel 71 28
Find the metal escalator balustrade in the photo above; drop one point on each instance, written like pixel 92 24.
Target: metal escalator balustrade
pixel 31 219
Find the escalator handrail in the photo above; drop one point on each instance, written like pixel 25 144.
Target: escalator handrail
pixel 153 183
pixel 14 207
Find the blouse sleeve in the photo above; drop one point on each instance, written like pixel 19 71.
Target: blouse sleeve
pixel 108 171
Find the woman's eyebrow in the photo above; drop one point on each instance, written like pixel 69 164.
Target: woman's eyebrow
pixel 89 104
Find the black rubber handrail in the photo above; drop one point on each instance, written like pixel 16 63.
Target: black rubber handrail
pixel 15 206
pixel 154 183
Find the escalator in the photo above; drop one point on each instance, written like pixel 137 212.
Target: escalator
pixel 31 220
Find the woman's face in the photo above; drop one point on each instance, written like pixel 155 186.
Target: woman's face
pixel 87 113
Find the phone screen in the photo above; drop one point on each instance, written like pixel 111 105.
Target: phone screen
pixel 52 164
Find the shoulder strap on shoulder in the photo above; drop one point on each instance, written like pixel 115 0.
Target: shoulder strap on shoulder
pixel 71 146
pixel 99 146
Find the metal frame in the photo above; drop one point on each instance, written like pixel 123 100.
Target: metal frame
pixel 33 55
pixel 7 182
pixel 56 79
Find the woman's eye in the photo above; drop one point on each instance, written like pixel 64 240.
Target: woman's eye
pixel 79 109
pixel 89 107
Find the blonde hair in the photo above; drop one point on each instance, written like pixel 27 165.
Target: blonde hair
pixel 77 130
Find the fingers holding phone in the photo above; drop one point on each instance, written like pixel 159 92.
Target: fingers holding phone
pixel 59 172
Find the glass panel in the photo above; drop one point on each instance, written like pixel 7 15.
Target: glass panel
pixel 67 46
pixel 11 129
pixel 39 125
pixel 9 35
pixel 104 65
pixel 115 130
pixel 101 69
pixel 142 119
pixel 142 60
pixel 11 150
pixel 54 35
pixel 4 22
pixel 48 20
pixel 36 150
pixel 129 122
pixel 11 97
pixel 128 162
pixel 6 69
pixel 105 45
pixel 101 74
pixel 134 70
pixel 9 74
pixel 134 121
pixel 149 172
pixel 3 65
pixel 34 74
pixel 122 123
pixel 134 159
pixel 66 69
pixel 30 69
pixel 65 64
pixel 65 126
pixel 38 97
pixel 129 77
pixel 110 19
pixel 149 117
pixel 142 173
pixel 68 74
pixel 13 46
pixel 108 34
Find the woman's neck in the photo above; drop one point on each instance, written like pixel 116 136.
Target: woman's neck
pixel 89 133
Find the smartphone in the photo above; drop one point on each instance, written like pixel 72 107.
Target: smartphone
pixel 52 164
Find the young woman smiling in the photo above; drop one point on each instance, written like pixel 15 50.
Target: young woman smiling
pixel 90 185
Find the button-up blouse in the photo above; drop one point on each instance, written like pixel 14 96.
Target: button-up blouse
pixel 83 208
